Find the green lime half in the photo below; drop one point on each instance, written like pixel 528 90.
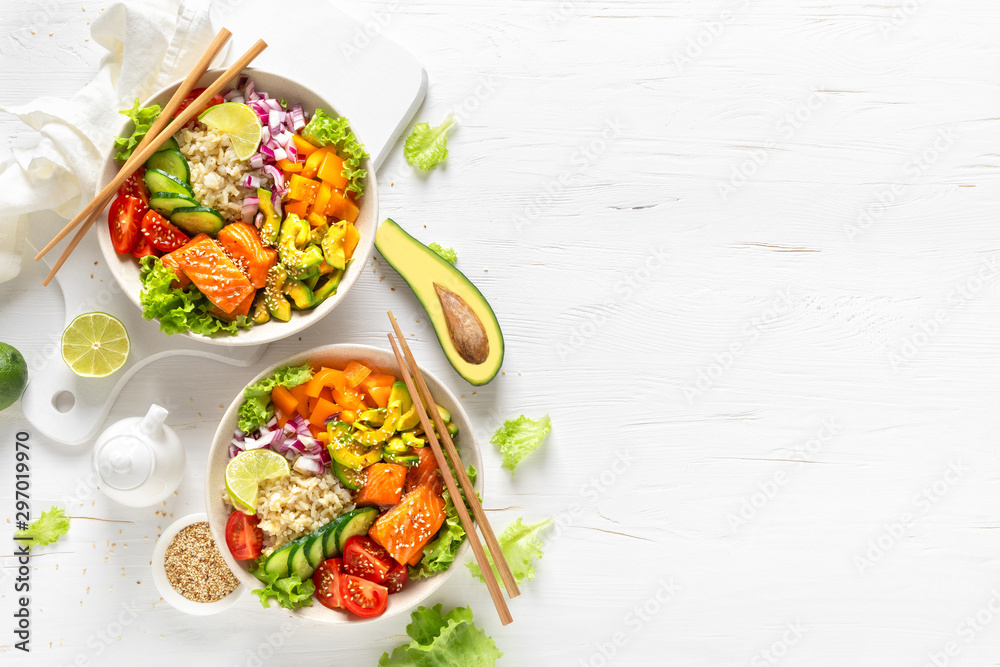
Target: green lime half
pixel 237 120
pixel 245 473
pixel 95 345
pixel 13 375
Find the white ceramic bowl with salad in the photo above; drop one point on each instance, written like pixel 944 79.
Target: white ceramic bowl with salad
pixel 200 196
pixel 324 512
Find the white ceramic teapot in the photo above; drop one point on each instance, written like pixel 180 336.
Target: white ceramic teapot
pixel 139 461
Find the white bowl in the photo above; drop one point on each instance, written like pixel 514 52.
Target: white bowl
pixel 167 592
pixel 415 592
pixel 125 268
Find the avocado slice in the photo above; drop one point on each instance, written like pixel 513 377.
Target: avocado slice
pixel 465 324
pixel 298 254
pixel 269 228
pixel 274 294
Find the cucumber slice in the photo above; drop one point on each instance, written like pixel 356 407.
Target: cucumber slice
pixel 314 549
pixel 197 220
pixel 357 522
pixel 161 181
pixel 352 479
pixel 297 561
pixel 330 549
pixel 170 161
pixel 167 202
pixel 277 563
pixel 169 145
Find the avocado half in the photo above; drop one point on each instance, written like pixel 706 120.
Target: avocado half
pixel 463 320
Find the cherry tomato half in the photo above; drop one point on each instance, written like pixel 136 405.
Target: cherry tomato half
pixel 362 597
pixel 123 220
pixel 144 249
pixel 135 186
pixel 243 537
pixel 366 559
pixel 327 583
pixel 160 233
pixel 218 99
pixel 396 578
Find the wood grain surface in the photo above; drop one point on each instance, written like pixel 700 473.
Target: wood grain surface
pixel 747 256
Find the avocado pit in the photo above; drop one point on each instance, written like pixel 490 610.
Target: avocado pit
pixel 464 327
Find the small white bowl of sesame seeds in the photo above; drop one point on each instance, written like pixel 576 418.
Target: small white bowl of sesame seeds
pixel 190 572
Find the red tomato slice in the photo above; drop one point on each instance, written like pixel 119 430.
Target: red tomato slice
pixel 362 597
pixel 243 537
pixel 396 578
pixel 135 186
pixel 144 249
pixel 327 583
pixel 123 220
pixel 161 233
pixel 365 559
pixel 218 99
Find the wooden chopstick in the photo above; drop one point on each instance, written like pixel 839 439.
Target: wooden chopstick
pixel 477 508
pixel 187 85
pixel 449 480
pixel 140 157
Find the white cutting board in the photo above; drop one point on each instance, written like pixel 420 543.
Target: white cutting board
pixel 375 82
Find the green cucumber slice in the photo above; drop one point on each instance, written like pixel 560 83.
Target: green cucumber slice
pixel 170 161
pixel 160 181
pixel 197 220
pixel 357 523
pixel 277 563
pixel 297 561
pixel 167 202
pixel 169 144
pixel 314 549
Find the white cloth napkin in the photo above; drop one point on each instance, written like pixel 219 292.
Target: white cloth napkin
pixel 149 45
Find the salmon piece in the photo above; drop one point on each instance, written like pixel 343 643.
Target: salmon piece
pixel 406 529
pixel 214 273
pixel 243 244
pixel 424 473
pixel 170 262
pixel 242 309
pixel 383 485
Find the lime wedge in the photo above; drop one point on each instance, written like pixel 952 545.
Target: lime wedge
pixel 245 473
pixel 238 121
pixel 95 345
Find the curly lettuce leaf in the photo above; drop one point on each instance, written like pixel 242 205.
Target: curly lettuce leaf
pixel 440 552
pixel 257 408
pixel 325 130
pixel 447 254
pixel 179 310
pixel 46 529
pixel 427 146
pixel 519 437
pixel 520 548
pixel 291 592
pixel 143 118
pixel 443 640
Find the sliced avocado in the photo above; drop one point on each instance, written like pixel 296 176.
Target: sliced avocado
pixel 301 295
pixel 411 439
pixel 333 245
pixel 400 395
pixel 274 294
pixel 299 255
pixel 329 288
pixel 465 324
pixel 374 417
pixel 409 419
pixel 260 313
pixel 377 438
pixel 318 233
pixel 272 223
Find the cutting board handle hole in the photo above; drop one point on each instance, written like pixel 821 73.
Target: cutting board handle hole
pixel 63 401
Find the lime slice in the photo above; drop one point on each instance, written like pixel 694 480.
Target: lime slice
pixel 245 473
pixel 238 121
pixel 95 345
pixel 13 375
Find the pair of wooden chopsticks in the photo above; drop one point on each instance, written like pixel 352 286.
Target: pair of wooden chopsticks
pixel 157 134
pixel 422 397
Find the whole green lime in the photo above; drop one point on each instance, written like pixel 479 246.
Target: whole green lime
pixel 13 375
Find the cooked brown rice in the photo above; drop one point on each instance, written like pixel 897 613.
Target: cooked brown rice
pixel 217 175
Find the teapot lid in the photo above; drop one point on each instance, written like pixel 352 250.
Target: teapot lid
pixel 124 462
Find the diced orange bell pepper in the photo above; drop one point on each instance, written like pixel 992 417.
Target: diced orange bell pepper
pixel 351 238
pixel 299 392
pixel 349 416
pixel 284 400
pixel 324 437
pixel 316 219
pixel 282 417
pixel 383 485
pixel 299 208
pixel 214 273
pixel 380 395
pixel 348 398
pixel 406 528
pixel 290 167
pixel 316 430
pixel 325 378
pixel 342 208
pixel 243 243
pixel 322 199
pixel 315 161
pixel 302 189
pixel 323 410
pixel 355 373
pixel 170 262
pixel 303 148
pixel 332 171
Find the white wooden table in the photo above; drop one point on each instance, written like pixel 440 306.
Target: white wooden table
pixel 745 253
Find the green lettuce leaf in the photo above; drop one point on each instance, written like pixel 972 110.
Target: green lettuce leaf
pixel 143 118
pixel 447 254
pixel 290 592
pixel 257 409
pixel 427 146
pixel 325 130
pixel 443 640
pixel 179 310
pixel 519 437
pixel 520 549
pixel 440 552
pixel 46 529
